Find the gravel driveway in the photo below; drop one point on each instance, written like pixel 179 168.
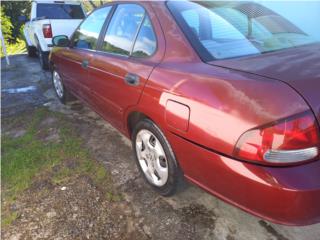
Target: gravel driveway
pixel 191 214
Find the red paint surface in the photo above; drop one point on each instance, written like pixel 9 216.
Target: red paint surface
pixel 225 100
pixel 177 116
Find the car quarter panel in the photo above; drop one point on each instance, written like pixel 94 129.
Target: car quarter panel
pixel 253 188
pixel 223 103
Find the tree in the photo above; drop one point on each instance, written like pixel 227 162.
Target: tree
pixel 6 26
pixel 14 9
pixel 92 4
pixel 89 5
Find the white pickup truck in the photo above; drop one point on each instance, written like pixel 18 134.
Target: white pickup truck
pixel 48 19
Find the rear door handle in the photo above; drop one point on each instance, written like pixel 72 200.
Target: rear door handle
pixel 132 79
pixel 85 64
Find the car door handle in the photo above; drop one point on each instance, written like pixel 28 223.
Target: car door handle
pixel 132 79
pixel 85 64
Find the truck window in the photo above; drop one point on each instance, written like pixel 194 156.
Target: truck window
pixel 59 11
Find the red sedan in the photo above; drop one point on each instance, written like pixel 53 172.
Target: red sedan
pixel 224 94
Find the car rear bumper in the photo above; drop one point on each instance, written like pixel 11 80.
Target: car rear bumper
pixel 284 195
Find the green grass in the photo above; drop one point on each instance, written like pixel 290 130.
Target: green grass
pixel 24 156
pixel 27 157
pixel 16 48
pixel 9 218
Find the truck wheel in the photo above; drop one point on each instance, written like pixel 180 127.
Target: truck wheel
pixel 32 51
pixel 43 58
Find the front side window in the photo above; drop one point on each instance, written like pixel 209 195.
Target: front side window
pixel 123 28
pixel 235 29
pixel 87 35
pixel 59 11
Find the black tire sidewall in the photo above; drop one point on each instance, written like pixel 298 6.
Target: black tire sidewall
pixel 31 51
pixel 43 58
pixel 173 170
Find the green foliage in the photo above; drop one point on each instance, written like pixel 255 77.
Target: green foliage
pixel 6 26
pixel 9 218
pixel 15 48
pixel 26 157
pixel 89 5
pixel 23 157
pixel 14 9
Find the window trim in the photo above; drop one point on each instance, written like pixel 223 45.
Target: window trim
pixel 155 34
pixel 201 51
pixel 106 26
pixel 105 29
pixel 110 14
pixel 137 33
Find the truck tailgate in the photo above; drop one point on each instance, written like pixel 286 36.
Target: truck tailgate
pixel 63 26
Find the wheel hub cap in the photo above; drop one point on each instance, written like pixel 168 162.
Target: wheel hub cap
pixel 57 84
pixel 152 158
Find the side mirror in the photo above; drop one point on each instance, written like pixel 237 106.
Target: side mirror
pixel 61 41
pixel 23 19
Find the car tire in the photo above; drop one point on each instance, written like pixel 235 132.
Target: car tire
pixel 32 51
pixel 61 91
pixel 43 58
pixel 160 158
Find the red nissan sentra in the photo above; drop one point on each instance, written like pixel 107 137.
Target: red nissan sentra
pixel 226 94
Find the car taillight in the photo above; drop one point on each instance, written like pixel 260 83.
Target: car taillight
pixel 288 141
pixel 47 31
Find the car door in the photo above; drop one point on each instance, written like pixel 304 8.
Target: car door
pixel 127 55
pixel 75 60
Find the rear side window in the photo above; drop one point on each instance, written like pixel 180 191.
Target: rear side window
pixel 59 11
pixel 87 35
pixel 145 44
pixel 192 19
pixel 123 28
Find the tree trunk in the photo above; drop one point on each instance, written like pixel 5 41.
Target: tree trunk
pixel 92 4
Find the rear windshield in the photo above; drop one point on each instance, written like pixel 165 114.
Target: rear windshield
pixel 59 11
pixel 225 29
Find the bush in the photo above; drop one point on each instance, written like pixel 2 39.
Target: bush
pixel 6 26
pixel 14 9
pixel 15 48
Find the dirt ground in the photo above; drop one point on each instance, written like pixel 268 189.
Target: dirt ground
pixel 79 210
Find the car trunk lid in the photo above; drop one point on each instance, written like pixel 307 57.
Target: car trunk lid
pixel 298 67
